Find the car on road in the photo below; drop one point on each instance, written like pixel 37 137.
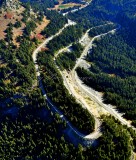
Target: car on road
pixel 61 116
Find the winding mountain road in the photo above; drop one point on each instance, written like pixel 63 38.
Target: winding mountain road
pixel 73 82
pixel 91 137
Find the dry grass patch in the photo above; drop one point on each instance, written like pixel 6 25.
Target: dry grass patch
pixel 7 81
pixel 40 27
pixel 3 65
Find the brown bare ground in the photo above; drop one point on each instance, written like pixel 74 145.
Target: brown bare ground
pixel 60 1
pixel 7 81
pixel 112 75
pixel 3 65
pixel 16 15
pixel 40 27
pixel 17 32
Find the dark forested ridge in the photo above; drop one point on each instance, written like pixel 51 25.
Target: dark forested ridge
pixel 32 136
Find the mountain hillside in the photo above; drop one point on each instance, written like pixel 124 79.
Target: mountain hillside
pixel 67 80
